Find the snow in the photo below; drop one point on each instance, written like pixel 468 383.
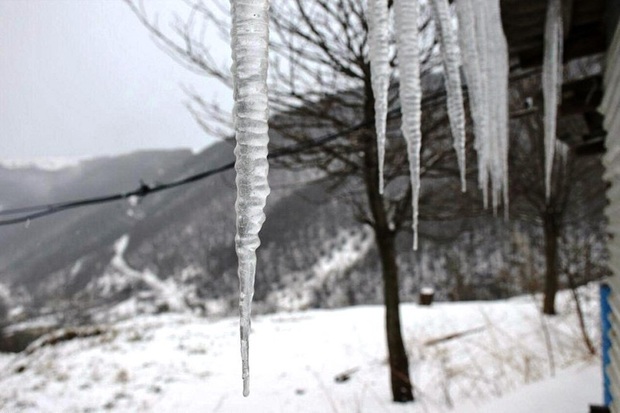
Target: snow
pixel 552 83
pixel 44 164
pixel 451 63
pixel 348 249
pixel 180 362
pixel 5 294
pixel 406 21
pixel 427 290
pixel 379 52
pixel 250 55
pixel 119 275
pixel 572 390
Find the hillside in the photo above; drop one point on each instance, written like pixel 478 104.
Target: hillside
pixel 314 253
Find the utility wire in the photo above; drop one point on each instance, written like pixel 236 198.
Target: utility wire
pixel 33 212
pixel 38 211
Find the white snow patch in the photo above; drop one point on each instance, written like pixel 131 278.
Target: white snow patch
pixel 572 390
pixel 348 250
pixel 45 164
pixel 120 275
pixel 77 266
pixel 5 294
pixel 183 363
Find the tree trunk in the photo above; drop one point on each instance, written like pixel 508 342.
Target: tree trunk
pixel 385 240
pixel 551 262
pixel 399 363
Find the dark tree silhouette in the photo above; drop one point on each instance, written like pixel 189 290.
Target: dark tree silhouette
pixel 576 186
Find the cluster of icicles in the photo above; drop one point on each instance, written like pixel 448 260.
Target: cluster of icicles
pixel 484 53
pixel 485 56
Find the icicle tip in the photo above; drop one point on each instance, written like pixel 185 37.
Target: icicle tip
pixel 246 386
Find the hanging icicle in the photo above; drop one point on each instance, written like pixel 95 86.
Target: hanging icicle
pixel 485 62
pixel 470 42
pixel 498 109
pixel 450 54
pixel 249 42
pixel 552 82
pixel 378 48
pixel 503 102
pixel 406 19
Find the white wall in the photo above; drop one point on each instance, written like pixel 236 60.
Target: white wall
pixel 611 109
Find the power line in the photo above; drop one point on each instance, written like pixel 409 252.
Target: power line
pixel 38 211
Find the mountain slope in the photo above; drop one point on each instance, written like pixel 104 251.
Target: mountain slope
pixel 313 253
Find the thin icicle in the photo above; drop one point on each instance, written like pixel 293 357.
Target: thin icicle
pixel 498 109
pixel 494 160
pixel 473 54
pixel 249 42
pixel 451 63
pixel 406 19
pixel 378 47
pixel 486 136
pixel 503 109
pixel 552 82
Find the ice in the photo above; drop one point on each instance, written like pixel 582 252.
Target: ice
pixel 472 66
pixel 485 62
pixel 561 149
pixel 406 19
pixel 552 82
pixel 249 43
pixel 498 109
pixel 485 138
pixel 503 109
pixel 378 48
pixel 451 63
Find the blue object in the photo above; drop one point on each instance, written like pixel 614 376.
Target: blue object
pixel 606 340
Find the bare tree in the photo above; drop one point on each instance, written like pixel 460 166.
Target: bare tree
pixel 576 185
pixel 320 82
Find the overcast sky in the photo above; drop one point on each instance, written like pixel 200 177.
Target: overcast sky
pixel 82 78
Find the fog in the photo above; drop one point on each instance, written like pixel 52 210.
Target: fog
pixel 84 78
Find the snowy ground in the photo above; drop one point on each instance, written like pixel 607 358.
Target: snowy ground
pixel 182 363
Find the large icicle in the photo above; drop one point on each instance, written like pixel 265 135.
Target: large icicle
pixel 485 61
pixel 473 53
pixel 490 59
pixel 503 103
pixel 450 53
pixel 406 19
pixel 378 48
pixel 249 42
pixel 552 82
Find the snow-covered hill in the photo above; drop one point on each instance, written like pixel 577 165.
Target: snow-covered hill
pixel 463 356
pixel 314 253
pixel 45 164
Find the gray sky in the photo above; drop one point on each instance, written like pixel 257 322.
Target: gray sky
pixel 81 78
